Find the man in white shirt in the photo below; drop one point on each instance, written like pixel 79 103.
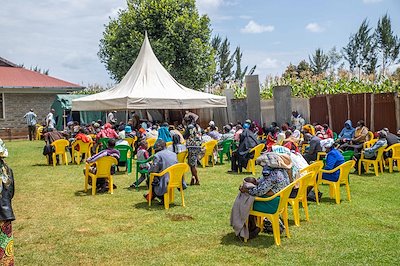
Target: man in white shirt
pixel 111 117
pixel 50 122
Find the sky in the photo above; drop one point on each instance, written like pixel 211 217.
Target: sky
pixel 63 36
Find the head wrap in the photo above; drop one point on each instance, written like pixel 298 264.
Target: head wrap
pixel 296 134
pixel 246 125
pixel 327 143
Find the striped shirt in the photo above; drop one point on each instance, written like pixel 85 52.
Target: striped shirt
pixel 30 118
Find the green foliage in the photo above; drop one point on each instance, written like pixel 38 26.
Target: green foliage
pixel 179 36
pixel 92 89
pixel 319 62
pixel 58 224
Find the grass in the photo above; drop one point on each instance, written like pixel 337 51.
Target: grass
pixel 58 224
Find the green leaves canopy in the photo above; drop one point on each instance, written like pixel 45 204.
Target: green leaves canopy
pixel 179 36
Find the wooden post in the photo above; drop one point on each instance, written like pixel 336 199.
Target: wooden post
pixel 365 108
pixel 372 124
pixel 328 104
pixel 348 106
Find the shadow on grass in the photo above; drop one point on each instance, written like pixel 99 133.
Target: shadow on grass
pixel 261 241
pixel 154 205
pixel 81 193
pixel 42 164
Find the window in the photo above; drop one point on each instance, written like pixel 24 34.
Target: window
pixel 1 105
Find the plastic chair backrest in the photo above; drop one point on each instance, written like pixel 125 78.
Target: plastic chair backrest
pixel 348 155
pixel 125 152
pixel 182 156
pixel 176 173
pixel 104 143
pixel 395 150
pixel 151 142
pixel 103 166
pixel 283 200
pixel 60 145
pixel 369 143
pixel 304 182
pixel 314 168
pixel 169 143
pixel 226 145
pixel 380 152
pixel 257 150
pixel 345 169
pixel 209 146
pixel 335 136
pixel 84 147
pixel 370 135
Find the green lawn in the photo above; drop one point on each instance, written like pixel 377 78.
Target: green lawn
pixel 57 223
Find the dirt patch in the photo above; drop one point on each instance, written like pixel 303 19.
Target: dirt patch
pixel 179 217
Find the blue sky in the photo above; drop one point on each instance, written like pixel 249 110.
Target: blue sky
pixel 63 35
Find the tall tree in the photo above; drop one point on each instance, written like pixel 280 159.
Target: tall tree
pixel 225 61
pixel 180 38
pixel 319 62
pixel 388 43
pixel 349 53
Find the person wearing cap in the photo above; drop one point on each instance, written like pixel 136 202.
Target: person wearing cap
pixel 31 122
pixel 6 210
pixel 333 159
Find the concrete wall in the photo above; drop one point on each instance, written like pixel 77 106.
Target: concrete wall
pixel 302 105
pixel 17 105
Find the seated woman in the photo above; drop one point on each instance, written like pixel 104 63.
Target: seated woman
pixel 176 146
pixel 333 159
pixel 271 182
pixel 370 153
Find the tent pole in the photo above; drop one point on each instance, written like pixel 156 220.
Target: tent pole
pixel 126 116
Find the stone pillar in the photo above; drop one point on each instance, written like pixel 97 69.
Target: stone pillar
pixel 253 98
pixel 282 104
pixel 229 94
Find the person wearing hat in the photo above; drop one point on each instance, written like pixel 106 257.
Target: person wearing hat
pixel 333 159
pixel 31 122
pixel 6 210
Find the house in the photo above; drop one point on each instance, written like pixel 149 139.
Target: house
pixel 22 89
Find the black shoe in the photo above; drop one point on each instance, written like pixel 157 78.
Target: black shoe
pixel 133 186
pixel 254 233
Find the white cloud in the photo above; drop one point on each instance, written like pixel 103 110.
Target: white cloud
pixel 254 27
pixel 206 6
pixel 269 63
pixel 314 27
pixel 371 1
pixel 244 17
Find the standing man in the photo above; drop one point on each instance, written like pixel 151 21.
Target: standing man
pixel 50 122
pixel 111 117
pixel 297 120
pixel 31 122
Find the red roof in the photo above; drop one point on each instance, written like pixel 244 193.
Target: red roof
pixel 11 77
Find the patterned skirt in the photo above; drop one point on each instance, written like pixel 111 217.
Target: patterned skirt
pixel 6 243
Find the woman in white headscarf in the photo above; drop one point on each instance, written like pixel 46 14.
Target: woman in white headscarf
pixel 6 211
pixel 333 159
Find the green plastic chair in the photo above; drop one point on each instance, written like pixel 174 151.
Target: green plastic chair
pixel 335 136
pixel 348 155
pixel 125 157
pixel 226 149
pixel 102 144
pixel 142 171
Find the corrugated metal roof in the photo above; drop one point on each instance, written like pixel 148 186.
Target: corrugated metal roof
pixel 14 77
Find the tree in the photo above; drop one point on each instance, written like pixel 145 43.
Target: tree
pixel 179 36
pixel 319 62
pixel 388 44
pixel 290 72
pixel 225 61
pixel 303 70
pixel 350 53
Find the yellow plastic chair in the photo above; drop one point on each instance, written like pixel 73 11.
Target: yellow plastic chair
pixel 176 173
pixel 131 141
pixel 209 146
pixel 313 168
pixel 301 196
pixel 334 187
pixel 150 143
pixel 251 164
pixel 274 217
pixel 369 143
pixel 103 170
pixel 374 162
pixel 182 156
pixel 395 148
pixel 370 135
pixel 169 143
pixel 39 132
pixel 60 147
pixel 84 148
pixel 304 147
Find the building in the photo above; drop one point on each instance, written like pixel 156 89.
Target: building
pixel 22 89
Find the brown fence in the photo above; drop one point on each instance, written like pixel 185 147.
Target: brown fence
pixel 377 110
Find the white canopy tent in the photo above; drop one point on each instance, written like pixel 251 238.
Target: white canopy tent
pixel 148 85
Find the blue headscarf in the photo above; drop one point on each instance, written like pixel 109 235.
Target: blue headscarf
pixel 163 133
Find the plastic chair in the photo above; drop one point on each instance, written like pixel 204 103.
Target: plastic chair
pixel 301 196
pixel 334 187
pixel 348 155
pixel 335 136
pixel 395 148
pixel 370 135
pixel 103 170
pixel 251 164
pixel 321 155
pixel 169 143
pixel 313 168
pixel 39 132
pixel 150 144
pixel 182 156
pixel 176 173
pixel 131 142
pixel 102 144
pixel 274 217
pixel 60 147
pixel 369 143
pixel 226 149
pixel 125 157
pixel 209 146
pixel 144 171
pixel 304 147
pixel 374 162
pixel 84 148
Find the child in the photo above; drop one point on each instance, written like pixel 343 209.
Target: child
pixel 142 155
